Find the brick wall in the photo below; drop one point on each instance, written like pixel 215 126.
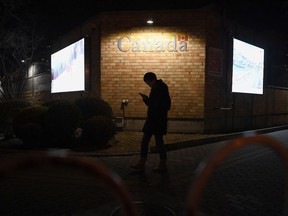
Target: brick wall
pixel 183 71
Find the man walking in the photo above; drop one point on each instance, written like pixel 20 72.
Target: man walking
pixel 159 104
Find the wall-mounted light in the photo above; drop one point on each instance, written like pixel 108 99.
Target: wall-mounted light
pixel 150 21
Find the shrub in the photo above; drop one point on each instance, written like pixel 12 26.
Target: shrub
pixel 29 114
pixel 31 135
pixel 51 102
pixel 9 109
pixel 60 123
pixel 93 106
pixel 97 131
pixel 27 125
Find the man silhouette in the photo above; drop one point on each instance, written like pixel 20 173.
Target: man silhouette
pixel 159 104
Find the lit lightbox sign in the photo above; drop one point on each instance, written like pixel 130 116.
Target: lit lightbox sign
pixel 68 68
pixel 248 68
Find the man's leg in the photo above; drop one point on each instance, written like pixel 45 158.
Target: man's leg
pixel 161 147
pixel 162 154
pixel 144 152
pixel 145 144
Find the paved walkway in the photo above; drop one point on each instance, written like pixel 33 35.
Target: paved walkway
pixel 249 183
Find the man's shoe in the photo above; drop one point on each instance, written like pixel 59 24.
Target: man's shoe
pixel 140 166
pixel 160 168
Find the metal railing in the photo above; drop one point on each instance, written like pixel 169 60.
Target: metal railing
pixel 207 168
pixel 94 167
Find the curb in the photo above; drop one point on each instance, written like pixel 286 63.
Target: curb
pixel 210 140
pixel 196 142
pixel 174 146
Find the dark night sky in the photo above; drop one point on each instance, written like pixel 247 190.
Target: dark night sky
pixel 60 16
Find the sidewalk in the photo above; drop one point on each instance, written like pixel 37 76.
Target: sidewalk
pixel 250 182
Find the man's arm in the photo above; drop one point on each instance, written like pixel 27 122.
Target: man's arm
pixel 143 96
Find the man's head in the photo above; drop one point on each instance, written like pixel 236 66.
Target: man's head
pixel 150 78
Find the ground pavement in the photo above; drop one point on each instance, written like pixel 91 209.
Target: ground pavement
pixel 249 183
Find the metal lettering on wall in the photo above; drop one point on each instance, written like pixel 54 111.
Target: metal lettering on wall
pixel 175 44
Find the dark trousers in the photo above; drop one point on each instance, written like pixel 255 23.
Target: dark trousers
pixel 159 144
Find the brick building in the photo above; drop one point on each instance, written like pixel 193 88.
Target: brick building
pixel 191 50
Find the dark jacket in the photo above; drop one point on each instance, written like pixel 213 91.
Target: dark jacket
pixel 159 104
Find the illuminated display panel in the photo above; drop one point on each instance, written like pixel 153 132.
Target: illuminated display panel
pixel 68 68
pixel 248 68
